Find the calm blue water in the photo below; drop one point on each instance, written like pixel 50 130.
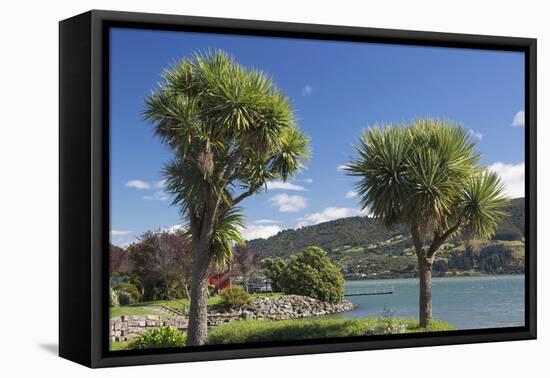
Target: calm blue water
pixel 466 302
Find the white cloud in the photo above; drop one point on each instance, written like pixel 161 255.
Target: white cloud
pixel 123 243
pixel 341 167
pixel 174 228
pixel 288 204
pixel 519 119
pixel 122 238
pixel 156 196
pixel 120 232
pixel 308 180
pixel 266 221
pixel 513 176
pixel 138 184
pixel 145 185
pixel 351 194
pixel 281 185
pixel 252 231
pixel 307 90
pixel 476 134
pixel 159 184
pixel 330 213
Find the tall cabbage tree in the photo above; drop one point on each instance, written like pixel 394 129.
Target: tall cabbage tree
pixel 231 131
pixel 427 176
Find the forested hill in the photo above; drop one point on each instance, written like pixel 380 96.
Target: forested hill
pixel 366 234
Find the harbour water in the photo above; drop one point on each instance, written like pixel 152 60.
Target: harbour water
pixel 465 302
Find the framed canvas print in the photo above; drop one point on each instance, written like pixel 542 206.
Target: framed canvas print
pixel 234 188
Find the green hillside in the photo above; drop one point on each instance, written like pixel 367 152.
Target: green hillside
pixel 364 248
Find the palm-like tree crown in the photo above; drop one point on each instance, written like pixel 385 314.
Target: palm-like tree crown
pixel 231 131
pixel 427 176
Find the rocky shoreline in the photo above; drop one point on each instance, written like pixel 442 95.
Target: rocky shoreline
pixel 292 307
pixel 124 328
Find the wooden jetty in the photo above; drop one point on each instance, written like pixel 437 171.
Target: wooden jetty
pixel 373 291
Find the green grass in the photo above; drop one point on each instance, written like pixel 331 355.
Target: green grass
pixel 176 304
pixel 119 345
pixel 127 310
pixel 279 330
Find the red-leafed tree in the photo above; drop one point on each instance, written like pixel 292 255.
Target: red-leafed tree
pixel 163 262
pixel 246 263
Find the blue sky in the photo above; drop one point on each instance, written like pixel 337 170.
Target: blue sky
pixel 336 89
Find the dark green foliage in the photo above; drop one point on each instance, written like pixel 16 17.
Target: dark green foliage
pixel 311 273
pixel 124 298
pixel 234 297
pixel 491 259
pixel 441 266
pixel 164 337
pixel 131 290
pixel 494 258
pixel 273 270
pixel 462 261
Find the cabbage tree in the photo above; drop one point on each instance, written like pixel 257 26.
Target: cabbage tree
pixel 427 176
pixel 230 130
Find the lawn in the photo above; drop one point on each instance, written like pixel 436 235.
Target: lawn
pixel 119 345
pixel 279 330
pixel 176 304
pixel 130 310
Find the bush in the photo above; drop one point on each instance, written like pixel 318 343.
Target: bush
pixel 233 297
pixel 274 268
pixel 131 290
pixel 164 337
pixel 113 298
pixel 311 273
pixel 124 298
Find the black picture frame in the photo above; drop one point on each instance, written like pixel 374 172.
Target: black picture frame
pixel 84 186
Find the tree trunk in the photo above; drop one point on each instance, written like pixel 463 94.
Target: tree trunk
pixel 425 302
pixel 198 319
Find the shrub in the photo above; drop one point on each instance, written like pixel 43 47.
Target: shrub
pixel 124 298
pixel 113 298
pixel 274 268
pixel 164 337
pixel 129 289
pixel 234 296
pixel 311 273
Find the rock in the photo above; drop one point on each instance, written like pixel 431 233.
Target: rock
pixel 247 315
